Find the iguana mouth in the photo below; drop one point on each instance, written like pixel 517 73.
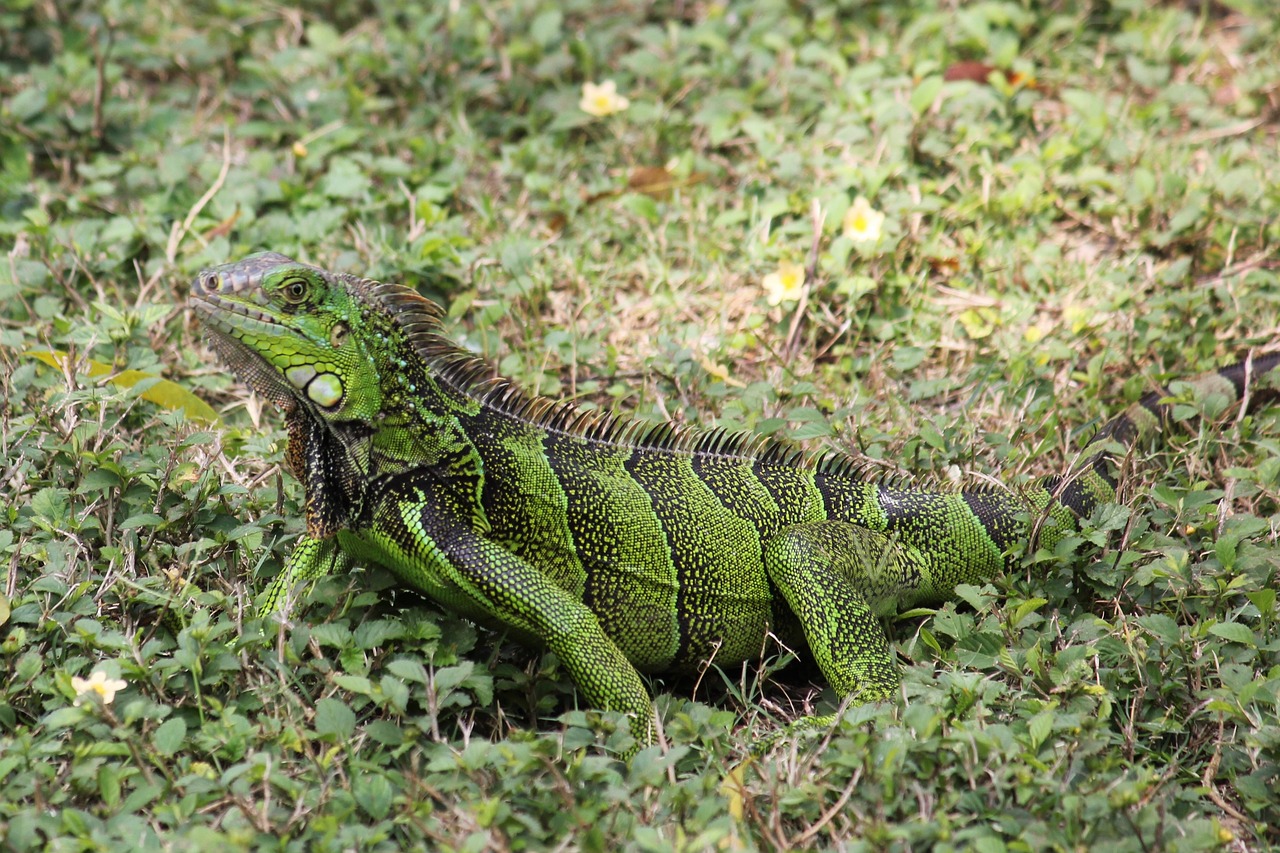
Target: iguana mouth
pixel 245 362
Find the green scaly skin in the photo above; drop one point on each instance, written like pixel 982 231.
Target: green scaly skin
pixel 622 548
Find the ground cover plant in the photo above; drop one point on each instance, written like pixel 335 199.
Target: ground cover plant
pixel 950 238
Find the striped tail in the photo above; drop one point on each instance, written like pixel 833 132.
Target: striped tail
pixel 1145 416
pixel 1092 479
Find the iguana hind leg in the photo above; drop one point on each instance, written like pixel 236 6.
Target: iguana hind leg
pixel 830 573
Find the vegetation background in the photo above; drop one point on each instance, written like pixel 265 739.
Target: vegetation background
pixel 1098 214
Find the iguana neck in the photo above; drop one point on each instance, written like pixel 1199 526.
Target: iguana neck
pixel 331 461
pixel 417 430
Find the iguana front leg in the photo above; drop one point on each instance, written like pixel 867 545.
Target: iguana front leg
pixel 437 554
pixel 310 559
pixel 828 571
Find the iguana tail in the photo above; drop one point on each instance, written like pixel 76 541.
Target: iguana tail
pixel 1092 479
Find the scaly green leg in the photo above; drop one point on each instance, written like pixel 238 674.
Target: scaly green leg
pixel 450 561
pixel 310 559
pixel 828 571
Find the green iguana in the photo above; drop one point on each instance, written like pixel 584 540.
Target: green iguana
pixel 622 547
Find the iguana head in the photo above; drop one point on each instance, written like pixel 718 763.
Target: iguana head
pixel 298 335
pixel 369 383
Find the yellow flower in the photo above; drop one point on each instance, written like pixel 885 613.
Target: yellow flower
pixel 1078 317
pixel 862 222
pixel 97 683
pixel 602 99
pixel 785 284
pixel 199 768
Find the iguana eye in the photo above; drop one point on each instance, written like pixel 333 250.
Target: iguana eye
pixel 338 335
pixel 295 290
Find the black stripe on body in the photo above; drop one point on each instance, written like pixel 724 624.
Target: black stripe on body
pixel 527 511
pixel 724 602
pixel 853 500
pixel 1236 374
pixel 951 538
pixel 999 513
pixel 735 485
pixel 793 490
pixel 630 582
pixel 957 536
pixel 1149 411
pixel 403 546
pixel 732 480
pixel 1076 495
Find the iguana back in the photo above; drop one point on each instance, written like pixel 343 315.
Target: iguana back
pixel 619 546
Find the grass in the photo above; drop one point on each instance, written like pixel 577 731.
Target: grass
pixel 1101 216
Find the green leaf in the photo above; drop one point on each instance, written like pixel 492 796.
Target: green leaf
pixel 1084 102
pixel 354 683
pixel 978 322
pixel 334 721
pixel 63 717
pixel 643 206
pixel 162 392
pixel 332 634
pixel 449 677
pixel 50 504
pixel 1040 727
pixel 169 736
pixel 1234 632
pixel 1026 608
pixel 925 93
pixel 142 519
pixel 1189 214
pixel 408 670
pixel 377 632
pixel 385 732
pixel 908 358
pixel 395 692
pixel 931 436
pixel 345 180
pixel 1264 600
pixel 1162 628
pixel 374 794
pixel 109 785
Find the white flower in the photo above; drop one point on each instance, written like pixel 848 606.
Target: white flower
pixel 97 684
pixel 862 222
pixel 602 99
pixel 785 284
